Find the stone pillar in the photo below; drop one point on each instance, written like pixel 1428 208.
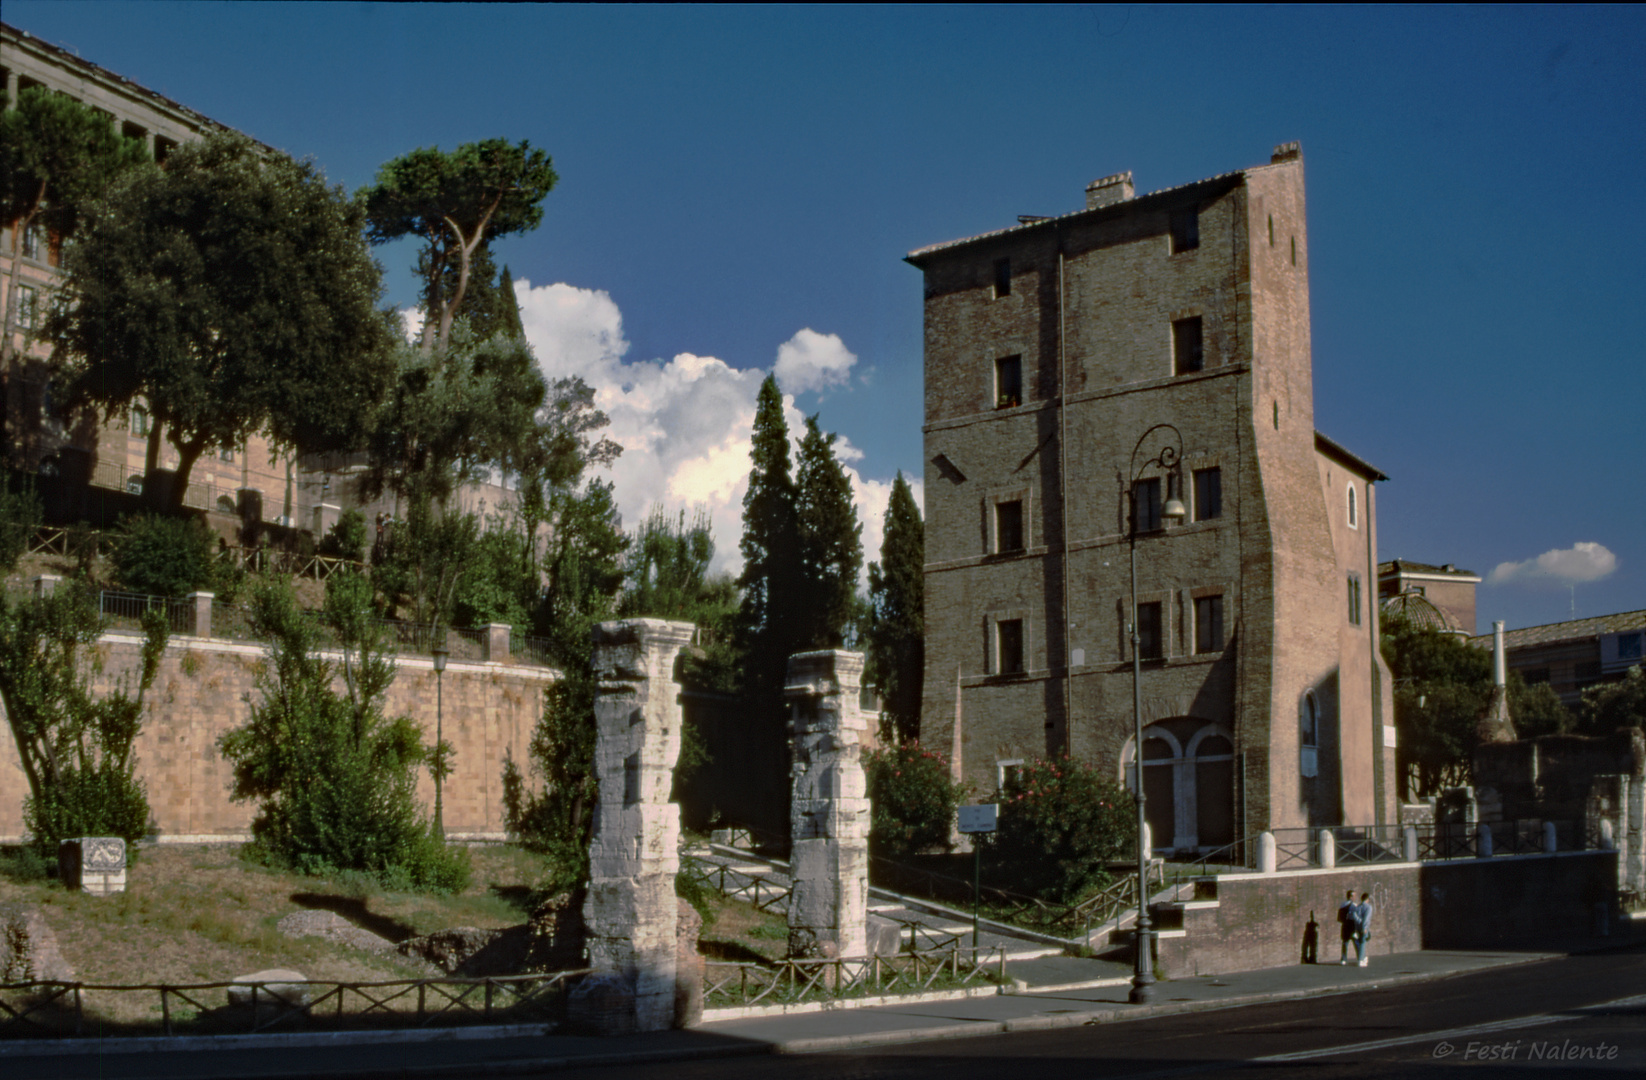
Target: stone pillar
pixel 202 613
pixel 829 807
pixel 325 517
pixel 1266 860
pixel 1483 840
pixel 1608 839
pixel 45 585
pixel 495 645
pixel 632 913
pixel 1408 843
pixel 1549 844
pixel 1327 849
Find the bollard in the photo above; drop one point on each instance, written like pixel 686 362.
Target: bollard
pixel 1408 843
pixel 1266 860
pixel 1549 842
pixel 1483 841
pixel 1327 850
pixel 1608 839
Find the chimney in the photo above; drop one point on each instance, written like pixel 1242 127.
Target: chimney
pixel 1109 190
pixel 1287 151
pixel 1500 662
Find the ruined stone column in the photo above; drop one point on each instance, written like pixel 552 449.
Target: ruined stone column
pixel 829 807
pixel 631 914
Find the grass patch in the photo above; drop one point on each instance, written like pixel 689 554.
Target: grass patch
pixel 202 914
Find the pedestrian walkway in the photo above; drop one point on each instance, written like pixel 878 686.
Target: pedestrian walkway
pixel 496 1052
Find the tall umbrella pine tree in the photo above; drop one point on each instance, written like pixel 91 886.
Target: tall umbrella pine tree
pixel 897 597
pixel 767 627
pixel 831 544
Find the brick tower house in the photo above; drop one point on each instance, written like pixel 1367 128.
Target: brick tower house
pixel 1051 349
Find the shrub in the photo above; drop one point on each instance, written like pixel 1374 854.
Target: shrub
pixel 1060 825
pixel 165 556
pixel 335 777
pixel 75 748
pixel 20 516
pixel 912 799
pixel 347 538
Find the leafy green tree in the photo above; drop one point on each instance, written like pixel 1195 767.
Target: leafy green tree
pixel 56 155
pixel 165 556
pixel 912 799
pixel 334 777
pixel 1061 824
pixel 493 587
pixel 768 624
pixel 1613 705
pixel 897 628
pixel 455 204
pixel 75 747
pixel 234 291
pixel 347 538
pixel 831 544
pixel 424 561
pixel 668 578
pixel 1443 687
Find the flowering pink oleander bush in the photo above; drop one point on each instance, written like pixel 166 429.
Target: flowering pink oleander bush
pixel 912 799
pixel 1061 824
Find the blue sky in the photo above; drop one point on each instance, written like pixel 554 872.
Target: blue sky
pixel 739 185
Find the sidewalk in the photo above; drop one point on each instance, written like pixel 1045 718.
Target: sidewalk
pixel 495 1051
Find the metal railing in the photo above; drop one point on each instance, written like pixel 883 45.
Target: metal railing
pixel 730 984
pixel 531 650
pixel 124 610
pixel 57 1009
pixel 749 885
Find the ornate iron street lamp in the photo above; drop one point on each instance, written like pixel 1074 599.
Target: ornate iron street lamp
pixel 1167 460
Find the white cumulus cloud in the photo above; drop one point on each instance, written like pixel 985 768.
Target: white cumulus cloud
pixel 812 361
pixel 1583 561
pixel 686 424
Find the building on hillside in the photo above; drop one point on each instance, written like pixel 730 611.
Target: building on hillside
pixel 1575 655
pixel 1415 589
pixel 1051 348
pixel 240 486
pixel 116 455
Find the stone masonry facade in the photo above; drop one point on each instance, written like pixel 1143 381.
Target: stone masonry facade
pixel 205 688
pixel 1050 348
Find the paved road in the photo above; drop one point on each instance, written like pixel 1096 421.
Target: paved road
pixel 1328 1022
pixel 1515 1018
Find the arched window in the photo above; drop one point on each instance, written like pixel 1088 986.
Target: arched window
pixel 139 420
pixel 1354 514
pixel 1188 783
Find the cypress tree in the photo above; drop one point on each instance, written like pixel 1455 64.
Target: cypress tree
pixel 831 545
pixel 767 624
pixel 897 592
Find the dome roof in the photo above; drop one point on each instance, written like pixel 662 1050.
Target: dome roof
pixel 1419 610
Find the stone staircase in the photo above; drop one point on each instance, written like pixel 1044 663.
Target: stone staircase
pixel 1034 962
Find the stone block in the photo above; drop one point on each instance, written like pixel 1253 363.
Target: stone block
pixel 284 987
pixel 93 864
pixel 883 937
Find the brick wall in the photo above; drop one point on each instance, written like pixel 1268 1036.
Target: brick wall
pixel 1509 901
pixel 205 688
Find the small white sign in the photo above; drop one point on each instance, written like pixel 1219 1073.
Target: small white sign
pixel 978 819
pixel 1388 734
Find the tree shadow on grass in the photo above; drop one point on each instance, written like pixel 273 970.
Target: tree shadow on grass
pixel 523 898
pixel 730 950
pixel 356 912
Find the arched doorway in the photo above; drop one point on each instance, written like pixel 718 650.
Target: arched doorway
pixel 1188 783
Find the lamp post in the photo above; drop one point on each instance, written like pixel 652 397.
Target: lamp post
pixel 440 655
pixel 1167 459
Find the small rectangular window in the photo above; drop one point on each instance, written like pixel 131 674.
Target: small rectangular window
pixel 1149 644
pixel 1002 278
pixel 226 454
pixel 1354 599
pixel 1208 494
pixel 1146 505
pixel 1208 624
pixel 1008 526
pixel 34 243
pixel 1009 645
pixel 139 420
pixel 1188 353
pixel 1628 646
pixel 1008 382
pixel 1185 229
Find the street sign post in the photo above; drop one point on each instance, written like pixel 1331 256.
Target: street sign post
pixel 977 819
